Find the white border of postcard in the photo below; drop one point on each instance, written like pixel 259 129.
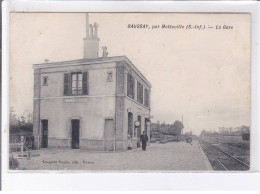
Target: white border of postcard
pixel 131 181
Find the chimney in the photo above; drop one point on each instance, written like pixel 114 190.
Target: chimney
pixel 87 26
pixel 105 53
pixel 91 42
pixel 95 30
pixel 91 30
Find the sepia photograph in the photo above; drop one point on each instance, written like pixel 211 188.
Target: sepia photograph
pixel 129 92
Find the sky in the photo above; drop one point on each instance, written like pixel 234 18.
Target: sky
pixel 203 75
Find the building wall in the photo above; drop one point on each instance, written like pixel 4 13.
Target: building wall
pixel 125 104
pixel 98 85
pixel 120 87
pixel 106 100
pixel 91 109
pixel 137 110
pixel 36 107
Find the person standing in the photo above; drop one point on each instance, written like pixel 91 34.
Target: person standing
pixel 129 137
pixel 144 139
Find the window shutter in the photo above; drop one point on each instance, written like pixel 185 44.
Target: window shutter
pixel 148 98
pixel 133 88
pixel 142 95
pixel 66 84
pixel 138 91
pixel 128 84
pixel 85 83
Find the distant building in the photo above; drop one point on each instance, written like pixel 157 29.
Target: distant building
pixel 91 103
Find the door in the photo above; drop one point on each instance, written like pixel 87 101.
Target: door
pixel 130 124
pixel 75 134
pixel 146 127
pixel 109 135
pixel 140 127
pixel 44 133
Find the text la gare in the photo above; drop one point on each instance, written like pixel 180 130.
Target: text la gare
pixel 224 27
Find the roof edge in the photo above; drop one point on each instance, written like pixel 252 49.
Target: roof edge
pixel 136 70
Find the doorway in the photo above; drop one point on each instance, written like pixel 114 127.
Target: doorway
pixel 109 135
pixel 75 133
pixel 44 134
pixel 146 126
pixel 130 124
pixel 139 127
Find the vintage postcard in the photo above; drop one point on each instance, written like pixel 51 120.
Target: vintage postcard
pixel 130 92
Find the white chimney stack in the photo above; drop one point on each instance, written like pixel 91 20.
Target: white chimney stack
pixel 91 42
pixel 87 26
pixel 95 30
pixel 90 30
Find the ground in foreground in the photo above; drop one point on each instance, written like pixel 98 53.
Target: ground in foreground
pixel 173 156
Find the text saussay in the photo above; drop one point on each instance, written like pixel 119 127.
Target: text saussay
pixel 181 26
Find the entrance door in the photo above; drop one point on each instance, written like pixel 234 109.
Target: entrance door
pixel 146 127
pixel 75 134
pixel 44 133
pixel 130 124
pixel 140 127
pixel 139 118
pixel 109 135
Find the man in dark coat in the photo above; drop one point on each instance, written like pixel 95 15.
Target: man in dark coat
pixel 144 139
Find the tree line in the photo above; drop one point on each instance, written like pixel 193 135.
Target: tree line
pixel 225 131
pixel 22 123
pixel 170 129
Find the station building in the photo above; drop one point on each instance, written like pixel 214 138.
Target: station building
pixel 94 103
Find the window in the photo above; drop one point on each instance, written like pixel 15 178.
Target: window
pixel 45 81
pixel 140 95
pixel 146 97
pixel 109 76
pixel 130 86
pixel 76 83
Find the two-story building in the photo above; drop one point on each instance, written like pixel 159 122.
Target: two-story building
pixel 91 103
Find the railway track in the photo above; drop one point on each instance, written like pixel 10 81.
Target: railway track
pixel 222 160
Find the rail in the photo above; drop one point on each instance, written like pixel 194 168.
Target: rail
pixel 222 151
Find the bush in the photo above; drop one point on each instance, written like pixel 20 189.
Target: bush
pixel 16 128
pixel 13 163
pixel 246 136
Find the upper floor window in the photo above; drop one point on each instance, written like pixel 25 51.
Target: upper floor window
pixel 130 86
pixel 45 81
pixel 76 83
pixel 140 95
pixel 146 97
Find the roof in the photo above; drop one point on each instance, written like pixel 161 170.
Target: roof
pixel 90 62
